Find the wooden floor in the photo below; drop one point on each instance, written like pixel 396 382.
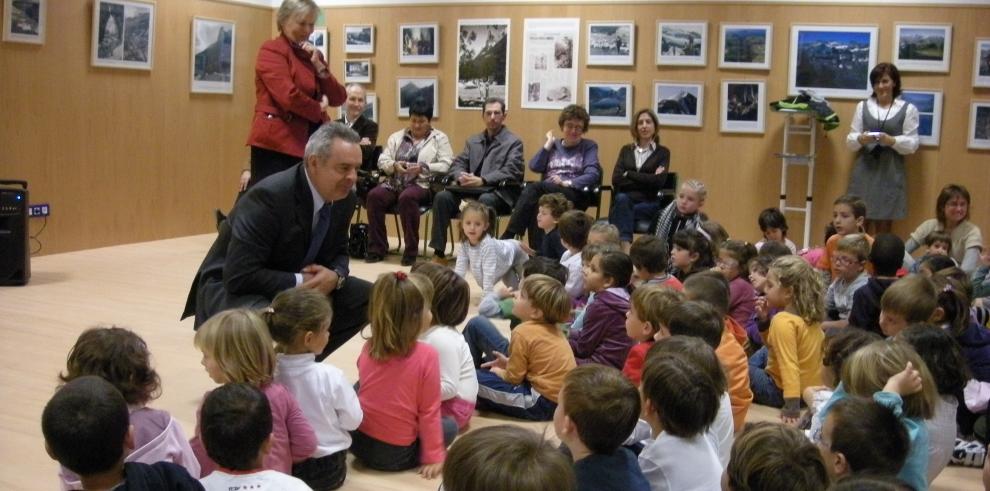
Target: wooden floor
pixel 143 287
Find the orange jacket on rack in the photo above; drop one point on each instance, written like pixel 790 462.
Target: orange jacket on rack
pixel 288 94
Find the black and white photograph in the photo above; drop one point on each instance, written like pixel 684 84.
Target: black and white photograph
pixel 357 71
pixel 979 125
pixel 929 104
pixel 608 102
pixel 409 89
pixel 359 38
pixel 321 40
pixel 24 21
pixel 611 43
pixel 743 106
pixel 834 61
pixel 212 56
pixel 682 43
pixel 482 61
pixel 371 106
pixel 745 46
pixel 922 48
pixel 419 43
pixel 981 63
pixel 679 103
pixel 123 34
pixel 549 72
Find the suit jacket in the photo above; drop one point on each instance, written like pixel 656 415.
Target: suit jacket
pixel 642 184
pixel 262 244
pixel 501 164
pixel 365 128
pixel 287 97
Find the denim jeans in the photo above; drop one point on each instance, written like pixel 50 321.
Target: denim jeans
pixel 625 212
pixel 765 391
pixel 483 338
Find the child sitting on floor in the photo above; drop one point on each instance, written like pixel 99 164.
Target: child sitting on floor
pixel 773 226
pixel 526 461
pixel 648 316
pixel 886 255
pixel 770 457
pixel 849 261
pixel 602 338
pixel 551 207
pixel 574 227
pixel 650 262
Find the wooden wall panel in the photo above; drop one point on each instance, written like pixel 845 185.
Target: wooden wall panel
pixel 128 156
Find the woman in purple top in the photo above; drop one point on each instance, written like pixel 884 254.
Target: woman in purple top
pixel 569 166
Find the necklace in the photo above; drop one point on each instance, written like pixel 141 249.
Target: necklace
pixel 883 122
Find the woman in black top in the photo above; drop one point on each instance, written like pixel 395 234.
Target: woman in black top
pixel 639 173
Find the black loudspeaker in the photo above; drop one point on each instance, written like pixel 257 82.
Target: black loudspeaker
pixel 15 252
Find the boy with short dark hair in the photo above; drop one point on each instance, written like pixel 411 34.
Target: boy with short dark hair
pixel 550 208
pixel 650 258
pixel 938 243
pixel 773 225
pixel 648 316
pixel 848 216
pixel 775 457
pixel 574 226
pixel 236 428
pixel 862 436
pixel 526 461
pixel 596 409
pixel 86 425
pixel 887 256
pixel 849 260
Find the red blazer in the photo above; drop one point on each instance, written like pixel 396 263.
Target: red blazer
pixel 288 96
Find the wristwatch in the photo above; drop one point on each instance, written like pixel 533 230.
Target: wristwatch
pixel 340 280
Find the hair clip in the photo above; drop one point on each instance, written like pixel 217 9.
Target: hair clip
pixel 401 275
pixel 704 234
pixel 269 310
pixel 948 288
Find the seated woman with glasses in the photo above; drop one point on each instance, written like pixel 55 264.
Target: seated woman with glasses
pixel 568 164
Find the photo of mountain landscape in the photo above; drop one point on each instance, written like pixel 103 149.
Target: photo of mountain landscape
pixel 678 104
pixel 24 21
pixel 123 34
pixel 409 89
pixel 834 61
pixel 922 48
pixel 746 46
pixel 212 56
pixel 608 103
pixel 482 61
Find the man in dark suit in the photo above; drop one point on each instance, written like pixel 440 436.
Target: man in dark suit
pixel 490 170
pixel 352 116
pixel 290 230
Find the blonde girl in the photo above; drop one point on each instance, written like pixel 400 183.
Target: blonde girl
pixel 400 381
pixel 791 360
pixel 122 358
pixel 299 321
pixel 237 347
pixel 490 260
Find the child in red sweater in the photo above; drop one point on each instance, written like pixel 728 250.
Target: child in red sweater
pixel 648 315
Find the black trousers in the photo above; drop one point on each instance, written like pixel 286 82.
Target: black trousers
pixel 266 162
pixel 446 206
pixel 323 473
pixel 524 214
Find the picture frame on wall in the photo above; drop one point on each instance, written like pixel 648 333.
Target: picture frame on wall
pixel 212 59
pixel 611 43
pixel 981 63
pixel 679 103
pixel 834 61
pixel 979 125
pixel 419 43
pixel 922 47
pixel 359 38
pixel 123 34
pixel 743 107
pixel 745 46
pixel 482 62
pixel 320 38
pixel 409 88
pixel 929 104
pixel 24 21
pixel 357 71
pixel 682 43
pixel 371 106
pixel 609 103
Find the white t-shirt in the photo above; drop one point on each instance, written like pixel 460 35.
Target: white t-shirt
pixel 263 480
pixel 672 463
pixel 458 377
pixel 722 431
pixel 575 277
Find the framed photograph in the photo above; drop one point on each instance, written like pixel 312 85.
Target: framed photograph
pixel 419 43
pixel 609 103
pixel 929 104
pixel 359 38
pixel 321 39
pixel 679 103
pixel 212 56
pixel 358 71
pixel 410 88
pixel 482 61
pixel 611 43
pixel 549 72
pixel 682 43
pixel 743 106
pixel 981 63
pixel 371 106
pixel 123 34
pixel 24 21
pixel 834 61
pixel 745 46
pixel 922 48
pixel 979 125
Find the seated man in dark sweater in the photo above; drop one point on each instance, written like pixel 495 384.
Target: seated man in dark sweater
pixel 596 410
pixel 887 255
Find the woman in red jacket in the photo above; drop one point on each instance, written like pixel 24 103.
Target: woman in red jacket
pixel 293 88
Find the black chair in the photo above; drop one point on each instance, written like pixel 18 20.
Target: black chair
pixel 448 179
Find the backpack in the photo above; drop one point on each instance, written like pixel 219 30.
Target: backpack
pixel 357 245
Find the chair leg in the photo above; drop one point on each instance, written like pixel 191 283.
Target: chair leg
pixel 425 242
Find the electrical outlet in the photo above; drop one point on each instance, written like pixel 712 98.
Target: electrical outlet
pixel 39 210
